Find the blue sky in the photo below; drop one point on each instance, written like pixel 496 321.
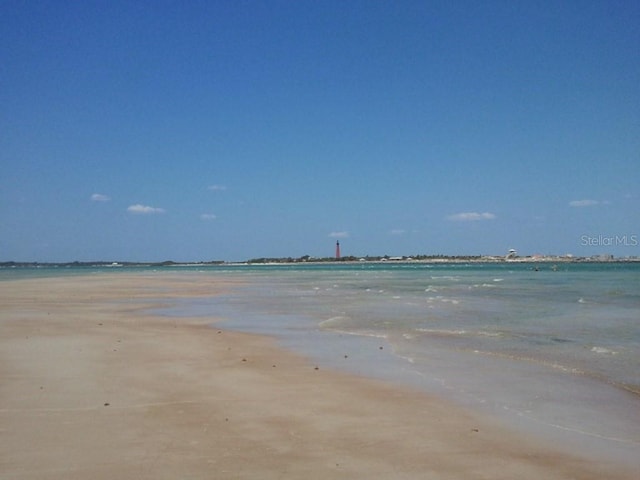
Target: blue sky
pixel 202 130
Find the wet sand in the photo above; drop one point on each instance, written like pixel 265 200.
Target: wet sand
pixel 92 385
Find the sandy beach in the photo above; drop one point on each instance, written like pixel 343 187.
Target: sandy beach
pixel 93 385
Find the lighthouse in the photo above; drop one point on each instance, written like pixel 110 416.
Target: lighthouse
pixel 337 249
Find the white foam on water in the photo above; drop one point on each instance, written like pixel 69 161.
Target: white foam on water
pixel 603 350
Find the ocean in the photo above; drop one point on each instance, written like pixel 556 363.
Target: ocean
pixel 551 350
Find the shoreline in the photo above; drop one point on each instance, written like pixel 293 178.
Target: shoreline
pixel 574 428
pixel 95 385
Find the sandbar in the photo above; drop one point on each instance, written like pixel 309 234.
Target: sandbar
pixel 95 385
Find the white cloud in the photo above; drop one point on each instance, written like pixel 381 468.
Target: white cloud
pixel 144 209
pixel 583 203
pixel 397 231
pixel 99 197
pixel 217 188
pixel 339 234
pixel 471 216
pixel 208 216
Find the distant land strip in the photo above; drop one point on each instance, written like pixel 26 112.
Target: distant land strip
pixel 345 259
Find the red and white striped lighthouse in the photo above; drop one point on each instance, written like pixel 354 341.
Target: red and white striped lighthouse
pixel 337 249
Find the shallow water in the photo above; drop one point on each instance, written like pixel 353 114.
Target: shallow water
pixel 552 352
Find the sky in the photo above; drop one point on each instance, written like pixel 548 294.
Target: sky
pixel 230 130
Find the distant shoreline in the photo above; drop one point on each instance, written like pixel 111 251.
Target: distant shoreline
pixel 321 261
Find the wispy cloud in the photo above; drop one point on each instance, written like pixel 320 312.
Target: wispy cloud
pixel 397 231
pixel 208 216
pixel 144 209
pixel 99 197
pixel 339 234
pixel 583 203
pixel 217 188
pixel 471 216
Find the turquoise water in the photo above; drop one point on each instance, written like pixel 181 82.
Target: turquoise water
pixel 580 317
pixel 553 351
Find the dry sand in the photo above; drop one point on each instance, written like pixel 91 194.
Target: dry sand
pixel 93 386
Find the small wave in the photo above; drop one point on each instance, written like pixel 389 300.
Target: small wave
pixel 459 332
pixel 483 333
pixel 362 334
pixel 498 279
pixel 603 351
pixel 331 322
pixel 444 332
pixel 482 285
pixel 440 298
